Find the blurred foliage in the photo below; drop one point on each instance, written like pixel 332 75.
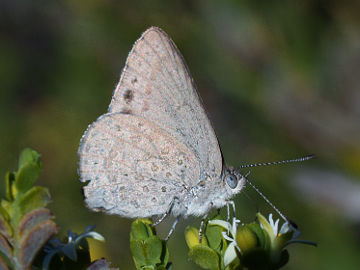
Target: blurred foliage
pixel 147 249
pixel 253 246
pixel 73 254
pixel 279 80
pixel 209 253
pixel 26 226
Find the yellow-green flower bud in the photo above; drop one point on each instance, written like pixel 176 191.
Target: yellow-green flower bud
pixel 192 237
pixel 246 239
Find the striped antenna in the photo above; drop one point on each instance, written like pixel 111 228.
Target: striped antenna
pixel 272 163
pixel 267 200
pixel 276 162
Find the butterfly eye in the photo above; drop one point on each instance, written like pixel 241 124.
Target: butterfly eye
pixel 231 180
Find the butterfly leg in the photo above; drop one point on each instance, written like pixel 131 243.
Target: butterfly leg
pixel 166 213
pixel 172 229
pixel 202 223
pixel 228 203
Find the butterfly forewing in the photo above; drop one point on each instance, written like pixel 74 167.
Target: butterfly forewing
pixel 156 85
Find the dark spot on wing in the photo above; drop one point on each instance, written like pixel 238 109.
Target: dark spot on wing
pixel 126 111
pixel 128 96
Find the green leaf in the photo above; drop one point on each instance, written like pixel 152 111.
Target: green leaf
pixel 165 254
pixel 284 258
pixel 5 209
pixel 192 237
pixel 161 267
pixel 267 231
pixel 5 227
pixel 264 240
pixel 153 249
pixel 235 265
pixel 205 257
pixel 27 176
pixel 29 156
pixel 147 252
pixel 214 237
pixel 141 229
pixel 9 181
pixel 36 197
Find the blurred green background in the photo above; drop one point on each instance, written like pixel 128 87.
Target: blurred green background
pixel 279 79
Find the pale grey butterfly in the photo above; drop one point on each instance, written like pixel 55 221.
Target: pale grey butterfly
pixel 155 151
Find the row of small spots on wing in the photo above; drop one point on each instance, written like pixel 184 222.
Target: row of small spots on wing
pixel 111 157
pixel 161 168
pixel 158 167
pixel 115 198
pixel 151 169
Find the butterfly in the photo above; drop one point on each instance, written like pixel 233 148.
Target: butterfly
pixel 155 151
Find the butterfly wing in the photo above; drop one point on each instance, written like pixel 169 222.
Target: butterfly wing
pixel 157 85
pixel 131 164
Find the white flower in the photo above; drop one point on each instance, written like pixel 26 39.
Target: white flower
pixel 274 225
pixel 230 252
pixel 280 238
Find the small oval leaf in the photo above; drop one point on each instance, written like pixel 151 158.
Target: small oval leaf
pixel 214 237
pixel 147 253
pixel 141 229
pixel 27 176
pixel 204 257
pixel 9 181
pixel 36 197
pixel 192 237
pixel 29 156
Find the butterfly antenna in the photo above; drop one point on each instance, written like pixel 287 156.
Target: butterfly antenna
pixel 265 198
pixel 276 162
pixel 272 163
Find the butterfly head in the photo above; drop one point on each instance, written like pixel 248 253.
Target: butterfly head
pixel 233 180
